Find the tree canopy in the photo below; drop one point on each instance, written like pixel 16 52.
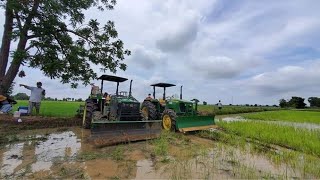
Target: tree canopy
pixel 295 102
pixel 55 37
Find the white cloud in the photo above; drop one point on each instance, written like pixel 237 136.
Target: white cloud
pixel 221 66
pixel 146 58
pixel 287 81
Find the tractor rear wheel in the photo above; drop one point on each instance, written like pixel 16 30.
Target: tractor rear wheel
pixel 90 107
pixel 169 120
pixel 148 110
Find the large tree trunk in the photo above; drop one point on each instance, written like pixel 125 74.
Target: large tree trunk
pixel 12 72
pixel 5 46
pixel 14 67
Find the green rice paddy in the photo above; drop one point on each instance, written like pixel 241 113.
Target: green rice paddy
pixel 286 115
pixel 54 108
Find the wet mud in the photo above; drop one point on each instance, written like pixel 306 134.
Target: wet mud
pixel 67 153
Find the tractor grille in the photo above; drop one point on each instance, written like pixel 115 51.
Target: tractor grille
pixel 130 111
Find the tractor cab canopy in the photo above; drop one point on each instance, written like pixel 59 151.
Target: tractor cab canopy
pixel 164 85
pixel 111 78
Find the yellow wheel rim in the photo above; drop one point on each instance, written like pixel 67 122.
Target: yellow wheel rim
pixel 166 122
pixel 145 112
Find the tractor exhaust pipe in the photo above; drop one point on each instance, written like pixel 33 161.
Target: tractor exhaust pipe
pixel 181 92
pixel 130 92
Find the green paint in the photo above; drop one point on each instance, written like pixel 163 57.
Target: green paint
pixel 194 121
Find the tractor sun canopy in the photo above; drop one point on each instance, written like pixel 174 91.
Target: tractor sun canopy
pixel 163 85
pixel 112 78
pixel 116 79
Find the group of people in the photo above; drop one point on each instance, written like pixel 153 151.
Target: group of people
pixel 37 93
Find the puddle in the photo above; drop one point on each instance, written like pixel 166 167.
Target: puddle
pixel 58 155
pixel 231 119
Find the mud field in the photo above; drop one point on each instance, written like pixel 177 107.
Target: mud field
pixel 67 153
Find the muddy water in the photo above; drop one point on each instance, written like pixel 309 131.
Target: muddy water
pixel 66 153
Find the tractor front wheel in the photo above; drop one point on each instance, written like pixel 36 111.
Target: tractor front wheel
pixel 169 120
pixel 89 109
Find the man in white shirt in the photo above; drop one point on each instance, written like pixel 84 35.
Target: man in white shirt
pixel 35 98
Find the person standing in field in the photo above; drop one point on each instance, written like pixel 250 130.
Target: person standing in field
pixel 35 98
pixel 219 104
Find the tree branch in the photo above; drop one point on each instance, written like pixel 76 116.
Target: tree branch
pixel 18 20
pixel 83 37
pixel 32 36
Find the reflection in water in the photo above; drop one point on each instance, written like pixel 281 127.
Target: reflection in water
pixel 55 148
pixel 41 154
pixel 12 158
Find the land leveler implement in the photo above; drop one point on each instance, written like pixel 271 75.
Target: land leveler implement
pixel 175 114
pixel 115 118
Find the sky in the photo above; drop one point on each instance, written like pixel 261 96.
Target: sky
pixel 239 52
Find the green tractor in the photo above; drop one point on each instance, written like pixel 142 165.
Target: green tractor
pixel 175 114
pixel 115 118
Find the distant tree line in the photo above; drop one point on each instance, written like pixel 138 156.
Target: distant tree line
pixel 314 101
pixel 24 96
pixel 294 102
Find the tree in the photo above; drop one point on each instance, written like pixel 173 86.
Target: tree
pixel 283 103
pixel 21 96
pixel 79 100
pixel 297 102
pixel 205 103
pixel 314 101
pixel 52 35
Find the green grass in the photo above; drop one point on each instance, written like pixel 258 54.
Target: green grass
pixel 54 108
pixel 211 109
pixel 286 115
pixel 307 141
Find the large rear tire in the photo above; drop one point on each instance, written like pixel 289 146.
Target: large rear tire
pixel 169 120
pixel 90 107
pixel 148 111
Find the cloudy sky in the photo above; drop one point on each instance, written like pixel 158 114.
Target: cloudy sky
pixel 237 51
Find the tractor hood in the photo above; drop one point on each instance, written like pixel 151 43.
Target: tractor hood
pixel 180 100
pixel 127 100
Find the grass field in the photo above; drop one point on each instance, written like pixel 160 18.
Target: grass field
pixel 287 115
pixel 211 109
pixel 54 108
pixel 303 140
pixel 68 109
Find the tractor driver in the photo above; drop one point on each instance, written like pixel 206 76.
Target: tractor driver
pixel 107 97
pixel 149 97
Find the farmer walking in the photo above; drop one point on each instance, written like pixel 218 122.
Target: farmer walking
pixel 35 98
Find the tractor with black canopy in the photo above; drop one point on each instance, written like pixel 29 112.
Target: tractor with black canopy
pixel 115 118
pixel 175 114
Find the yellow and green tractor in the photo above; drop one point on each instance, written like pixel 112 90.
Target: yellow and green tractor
pixel 175 114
